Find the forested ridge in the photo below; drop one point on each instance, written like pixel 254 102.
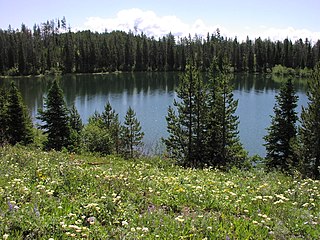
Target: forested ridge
pixel 52 47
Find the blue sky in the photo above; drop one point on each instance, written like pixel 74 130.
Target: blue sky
pixel 273 18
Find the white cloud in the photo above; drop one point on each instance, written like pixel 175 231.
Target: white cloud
pixel 291 33
pixel 138 21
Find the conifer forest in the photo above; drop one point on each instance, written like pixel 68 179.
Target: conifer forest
pixel 52 46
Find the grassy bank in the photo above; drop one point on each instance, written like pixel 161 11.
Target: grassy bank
pixel 57 195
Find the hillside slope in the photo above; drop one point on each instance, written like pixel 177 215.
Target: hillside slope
pixel 58 195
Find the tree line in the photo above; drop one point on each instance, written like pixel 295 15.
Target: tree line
pixel 51 47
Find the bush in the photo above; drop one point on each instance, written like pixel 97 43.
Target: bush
pixel 95 139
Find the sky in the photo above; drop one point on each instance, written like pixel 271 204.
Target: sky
pixel 274 19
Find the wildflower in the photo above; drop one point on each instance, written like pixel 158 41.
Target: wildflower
pixel 132 229
pixel 5 236
pixel 91 220
pixel 145 229
pixel 36 210
pixel 246 210
pixel 277 202
pixel 124 223
pixel 179 219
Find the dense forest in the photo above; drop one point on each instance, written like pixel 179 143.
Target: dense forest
pixel 52 47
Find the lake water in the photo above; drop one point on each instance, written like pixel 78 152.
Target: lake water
pixel 150 94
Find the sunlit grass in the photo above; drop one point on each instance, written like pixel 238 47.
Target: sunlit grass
pixel 55 195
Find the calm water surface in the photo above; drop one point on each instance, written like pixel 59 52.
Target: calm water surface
pixel 150 94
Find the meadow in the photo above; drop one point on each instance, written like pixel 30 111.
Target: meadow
pixel 55 195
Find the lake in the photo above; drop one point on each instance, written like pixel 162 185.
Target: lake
pixel 150 94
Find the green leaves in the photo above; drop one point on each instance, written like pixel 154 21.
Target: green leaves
pixel 119 139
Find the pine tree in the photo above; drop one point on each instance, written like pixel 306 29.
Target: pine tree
pixel 76 127
pixel 75 119
pixel 110 121
pixel 3 117
pixel 282 132
pixel 310 128
pixel 18 120
pixel 186 127
pixel 223 147
pixel 131 134
pixel 55 119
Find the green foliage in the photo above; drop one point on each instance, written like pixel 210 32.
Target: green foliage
pixel 310 128
pixel 51 49
pixel 110 121
pixel 131 134
pixel 58 195
pixel 186 128
pixel 287 71
pixel 75 119
pixel 75 131
pixel 281 137
pixel 204 129
pixel 19 124
pixel 55 119
pixel 96 139
pixel 223 147
pixel 3 117
pixel 284 71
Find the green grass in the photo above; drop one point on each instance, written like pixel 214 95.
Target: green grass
pixel 56 195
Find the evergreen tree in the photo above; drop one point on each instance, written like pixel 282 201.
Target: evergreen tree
pixel 18 120
pixel 75 119
pixel 223 144
pixel 3 117
pixel 310 129
pixel 55 118
pixel 110 121
pixel 131 134
pixel 76 128
pixel 186 128
pixel 282 132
